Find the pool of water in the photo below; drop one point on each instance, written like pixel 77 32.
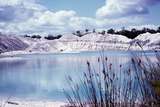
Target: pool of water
pixel 43 76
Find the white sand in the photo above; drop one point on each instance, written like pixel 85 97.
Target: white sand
pixel 18 103
pixel 91 42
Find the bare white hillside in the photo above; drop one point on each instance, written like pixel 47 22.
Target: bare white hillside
pixel 73 43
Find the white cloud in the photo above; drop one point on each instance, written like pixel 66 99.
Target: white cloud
pixel 27 16
pixel 55 18
pixel 114 8
pixel 10 2
pixel 18 10
pixel 30 4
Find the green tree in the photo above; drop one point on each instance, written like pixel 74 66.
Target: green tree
pixel 111 31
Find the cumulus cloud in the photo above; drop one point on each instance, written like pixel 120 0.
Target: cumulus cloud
pixel 18 10
pixel 114 8
pixel 28 16
pixel 10 2
pixel 9 13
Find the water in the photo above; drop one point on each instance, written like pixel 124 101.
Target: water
pixel 43 76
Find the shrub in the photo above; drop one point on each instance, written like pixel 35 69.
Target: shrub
pixel 86 30
pixel 111 31
pixel 51 37
pixel 133 33
pixel 27 36
pixel 36 36
pixel 103 32
pixel 94 30
pixel 78 33
pixel 58 36
pixel 158 30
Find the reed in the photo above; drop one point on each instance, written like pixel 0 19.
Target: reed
pixel 110 87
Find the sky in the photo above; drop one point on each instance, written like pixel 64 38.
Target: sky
pixel 85 8
pixel 64 16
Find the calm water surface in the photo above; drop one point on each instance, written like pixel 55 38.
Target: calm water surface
pixel 43 76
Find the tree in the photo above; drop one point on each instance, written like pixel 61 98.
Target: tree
pixel 110 31
pixel 152 31
pixel 133 30
pixel 87 30
pixel 144 30
pixel 27 35
pixel 158 30
pixel 78 33
pixel 103 32
pixel 59 36
pixel 94 30
pixel 33 36
pixel 36 37
pixel 51 37
pixel 123 28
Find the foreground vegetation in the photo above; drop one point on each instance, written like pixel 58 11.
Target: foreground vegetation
pixel 135 86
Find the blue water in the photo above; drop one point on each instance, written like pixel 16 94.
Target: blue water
pixel 43 76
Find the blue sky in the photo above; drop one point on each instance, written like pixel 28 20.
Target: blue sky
pixel 88 8
pixel 62 16
pixel 154 15
pixel 82 7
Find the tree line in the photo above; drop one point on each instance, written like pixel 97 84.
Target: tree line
pixel 133 33
pixel 49 37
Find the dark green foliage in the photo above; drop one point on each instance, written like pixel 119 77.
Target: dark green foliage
pixel 36 36
pixel 78 33
pixel 59 36
pixel 51 37
pixel 103 32
pixel 111 31
pixel 94 30
pixel 87 30
pixel 27 36
pixel 133 33
pixel 158 30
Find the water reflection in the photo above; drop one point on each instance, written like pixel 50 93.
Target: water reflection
pixel 43 76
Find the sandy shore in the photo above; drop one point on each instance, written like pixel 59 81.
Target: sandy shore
pixel 18 103
pixel 14 53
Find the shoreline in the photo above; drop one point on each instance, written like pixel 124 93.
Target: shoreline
pixel 14 102
pixel 15 53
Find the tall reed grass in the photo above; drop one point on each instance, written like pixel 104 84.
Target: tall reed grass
pixel 116 87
